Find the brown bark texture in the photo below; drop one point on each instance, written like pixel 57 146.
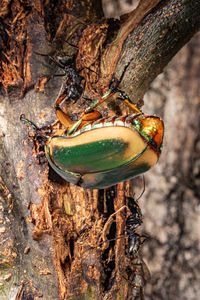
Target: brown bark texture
pixel 58 240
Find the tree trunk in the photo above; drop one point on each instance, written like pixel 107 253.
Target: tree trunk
pixel 57 241
pixel 170 204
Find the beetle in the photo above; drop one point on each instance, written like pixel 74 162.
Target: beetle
pixel 97 152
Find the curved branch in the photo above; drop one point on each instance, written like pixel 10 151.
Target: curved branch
pixel 151 45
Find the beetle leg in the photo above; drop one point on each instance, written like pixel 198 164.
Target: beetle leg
pixel 92 116
pixel 127 101
pixel 113 88
pixel 62 117
pixel 89 117
pixel 66 121
pixel 61 96
pixel 86 119
pixel 94 104
pixel 133 106
pixel 107 95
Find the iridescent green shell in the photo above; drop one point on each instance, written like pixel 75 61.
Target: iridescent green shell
pixel 107 151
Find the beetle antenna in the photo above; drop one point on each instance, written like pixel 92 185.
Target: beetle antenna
pixel 37 129
pixel 23 118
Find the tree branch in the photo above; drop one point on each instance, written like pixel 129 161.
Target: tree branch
pixel 150 46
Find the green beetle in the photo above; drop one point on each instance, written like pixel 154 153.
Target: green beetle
pixel 97 152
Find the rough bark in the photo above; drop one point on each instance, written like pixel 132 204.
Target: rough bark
pixel 171 201
pixel 50 229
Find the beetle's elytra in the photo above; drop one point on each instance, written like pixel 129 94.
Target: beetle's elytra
pixel 107 151
pixel 97 153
